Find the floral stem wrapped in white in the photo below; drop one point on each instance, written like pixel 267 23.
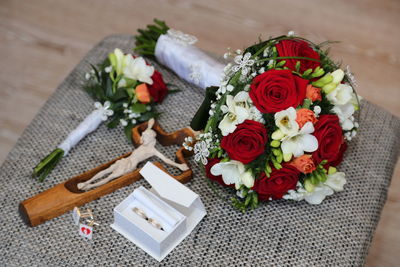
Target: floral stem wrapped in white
pixel 122 77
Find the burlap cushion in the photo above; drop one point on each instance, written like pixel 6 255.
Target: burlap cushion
pixel 337 232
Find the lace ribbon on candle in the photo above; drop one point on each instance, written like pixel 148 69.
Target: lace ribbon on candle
pixel 176 51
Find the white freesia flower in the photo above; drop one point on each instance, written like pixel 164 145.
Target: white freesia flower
pixel 286 121
pixel 233 172
pixel 247 179
pixel 300 142
pixel 315 197
pixel 318 195
pixel 118 60
pixel 137 69
pixel 341 95
pixel 345 114
pixel 336 181
pixel 237 111
pixel 338 76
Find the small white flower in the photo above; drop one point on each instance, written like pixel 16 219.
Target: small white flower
pixel 201 152
pixel 300 142
pixel 286 121
pixel 148 108
pixel 121 83
pixel 290 33
pixel 230 88
pixel 237 111
pixel 228 67
pixel 243 62
pixel 266 52
pixel 238 51
pixel 87 76
pixel 108 69
pixel 137 69
pixel 317 110
pixel 133 121
pixel 123 122
pixel 125 105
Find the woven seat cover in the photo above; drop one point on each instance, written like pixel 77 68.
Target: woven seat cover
pixel 280 233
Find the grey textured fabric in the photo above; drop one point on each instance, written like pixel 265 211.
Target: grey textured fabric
pixel 282 233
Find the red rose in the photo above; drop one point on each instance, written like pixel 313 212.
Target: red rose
pixel 298 48
pixel 276 90
pixel 247 142
pixel 158 90
pixel 279 182
pixel 331 145
pixel 210 164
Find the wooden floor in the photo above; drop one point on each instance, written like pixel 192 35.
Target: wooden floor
pixel 42 40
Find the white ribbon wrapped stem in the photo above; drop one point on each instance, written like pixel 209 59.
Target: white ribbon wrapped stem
pixel 88 125
pixel 188 62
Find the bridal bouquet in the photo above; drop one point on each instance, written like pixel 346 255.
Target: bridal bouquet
pixel 279 123
pixel 126 89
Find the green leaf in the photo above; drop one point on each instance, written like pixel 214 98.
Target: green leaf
pixel 113 123
pixel 138 108
pixel 148 115
pixel 119 94
pixel 109 88
pixel 128 132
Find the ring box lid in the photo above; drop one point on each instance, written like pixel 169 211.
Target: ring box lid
pixel 167 187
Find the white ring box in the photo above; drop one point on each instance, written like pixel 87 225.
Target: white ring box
pixel 172 197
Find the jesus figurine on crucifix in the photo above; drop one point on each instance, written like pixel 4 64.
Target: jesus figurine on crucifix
pixel 125 165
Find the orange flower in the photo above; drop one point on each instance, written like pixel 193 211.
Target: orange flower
pixel 313 93
pixel 304 164
pixel 305 115
pixel 142 93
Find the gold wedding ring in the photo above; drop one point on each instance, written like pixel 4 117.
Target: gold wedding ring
pixel 140 212
pixel 151 221
pixel 155 223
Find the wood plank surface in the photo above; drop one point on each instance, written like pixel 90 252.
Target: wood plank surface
pixel 42 40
